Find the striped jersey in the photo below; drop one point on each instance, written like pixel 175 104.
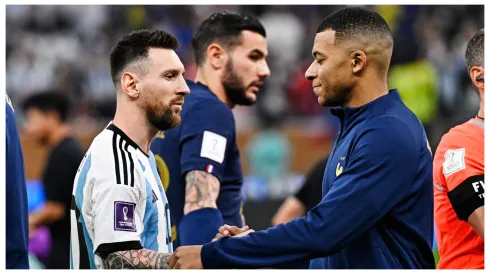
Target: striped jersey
pixel 118 202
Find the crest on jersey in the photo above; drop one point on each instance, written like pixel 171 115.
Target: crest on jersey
pixel 124 216
pixel 339 169
pixel 453 161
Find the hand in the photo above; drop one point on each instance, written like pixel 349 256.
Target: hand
pixel 186 257
pixel 233 231
pixel 32 227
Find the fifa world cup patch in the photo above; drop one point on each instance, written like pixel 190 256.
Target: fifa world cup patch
pixel 213 146
pixel 124 216
pixel 453 161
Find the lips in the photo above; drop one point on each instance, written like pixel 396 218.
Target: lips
pixel 178 102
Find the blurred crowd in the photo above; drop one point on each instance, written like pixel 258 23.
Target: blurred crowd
pixel 66 47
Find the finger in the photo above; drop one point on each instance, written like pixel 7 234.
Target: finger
pixel 221 229
pixel 226 233
pixel 171 261
pixel 235 230
pixel 245 228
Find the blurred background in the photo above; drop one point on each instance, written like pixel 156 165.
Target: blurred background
pixel 66 48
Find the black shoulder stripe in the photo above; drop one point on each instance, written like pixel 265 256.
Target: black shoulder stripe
pixel 131 164
pixel 124 162
pixel 116 158
pixel 468 196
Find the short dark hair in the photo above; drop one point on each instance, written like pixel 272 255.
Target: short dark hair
pixel 223 28
pixel 475 50
pixel 353 22
pixel 135 45
pixel 49 101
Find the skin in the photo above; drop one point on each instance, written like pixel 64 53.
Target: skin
pixel 150 97
pixel 47 130
pixel 242 69
pixel 476 219
pixel 344 74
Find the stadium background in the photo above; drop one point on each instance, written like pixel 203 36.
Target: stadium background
pixel 286 132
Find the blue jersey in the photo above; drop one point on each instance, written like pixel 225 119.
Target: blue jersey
pixel 118 202
pixel 17 235
pixel 377 206
pixel 205 140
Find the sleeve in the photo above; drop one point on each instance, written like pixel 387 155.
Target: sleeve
pixel 207 133
pixel 463 172
pixel 378 176
pixel 310 193
pixel 117 210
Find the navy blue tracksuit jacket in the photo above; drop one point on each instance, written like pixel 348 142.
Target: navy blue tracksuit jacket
pixel 377 206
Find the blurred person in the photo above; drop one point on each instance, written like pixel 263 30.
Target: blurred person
pixel 16 226
pixel 307 197
pixel 377 206
pixel 199 161
pixel 120 214
pixel 459 177
pixel 47 123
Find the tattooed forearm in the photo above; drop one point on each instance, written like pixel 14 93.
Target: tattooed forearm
pixel 202 190
pixel 137 259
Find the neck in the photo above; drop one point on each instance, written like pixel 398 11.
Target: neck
pixel 132 121
pixel 58 135
pixel 481 112
pixel 213 81
pixel 366 91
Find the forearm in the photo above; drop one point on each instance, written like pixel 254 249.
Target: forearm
pixel 202 190
pixel 136 259
pixel 200 210
pixel 477 221
pixel 50 212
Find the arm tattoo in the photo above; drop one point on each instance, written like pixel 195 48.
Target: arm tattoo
pixel 202 190
pixel 137 259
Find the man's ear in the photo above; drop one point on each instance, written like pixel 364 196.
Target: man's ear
pixel 128 84
pixel 216 56
pixel 477 77
pixel 359 61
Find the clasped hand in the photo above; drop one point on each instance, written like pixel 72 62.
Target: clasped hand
pixel 189 257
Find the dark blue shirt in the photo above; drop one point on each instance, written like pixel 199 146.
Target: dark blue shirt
pixel 377 206
pixel 205 140
pixel 17 227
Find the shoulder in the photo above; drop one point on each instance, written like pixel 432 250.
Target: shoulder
pixel 458 148
pixel 388 129
pixel 205 112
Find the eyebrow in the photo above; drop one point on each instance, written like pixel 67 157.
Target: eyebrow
pixel 173 71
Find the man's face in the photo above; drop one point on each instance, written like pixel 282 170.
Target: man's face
pixel 331 71
pixel 163 89
pixel 246 69
pixel 38 125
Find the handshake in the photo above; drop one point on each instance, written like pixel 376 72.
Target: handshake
pixel 233 231
pixel 189 257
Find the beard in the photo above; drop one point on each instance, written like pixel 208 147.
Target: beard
pixel 234 88
pixel 161 116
